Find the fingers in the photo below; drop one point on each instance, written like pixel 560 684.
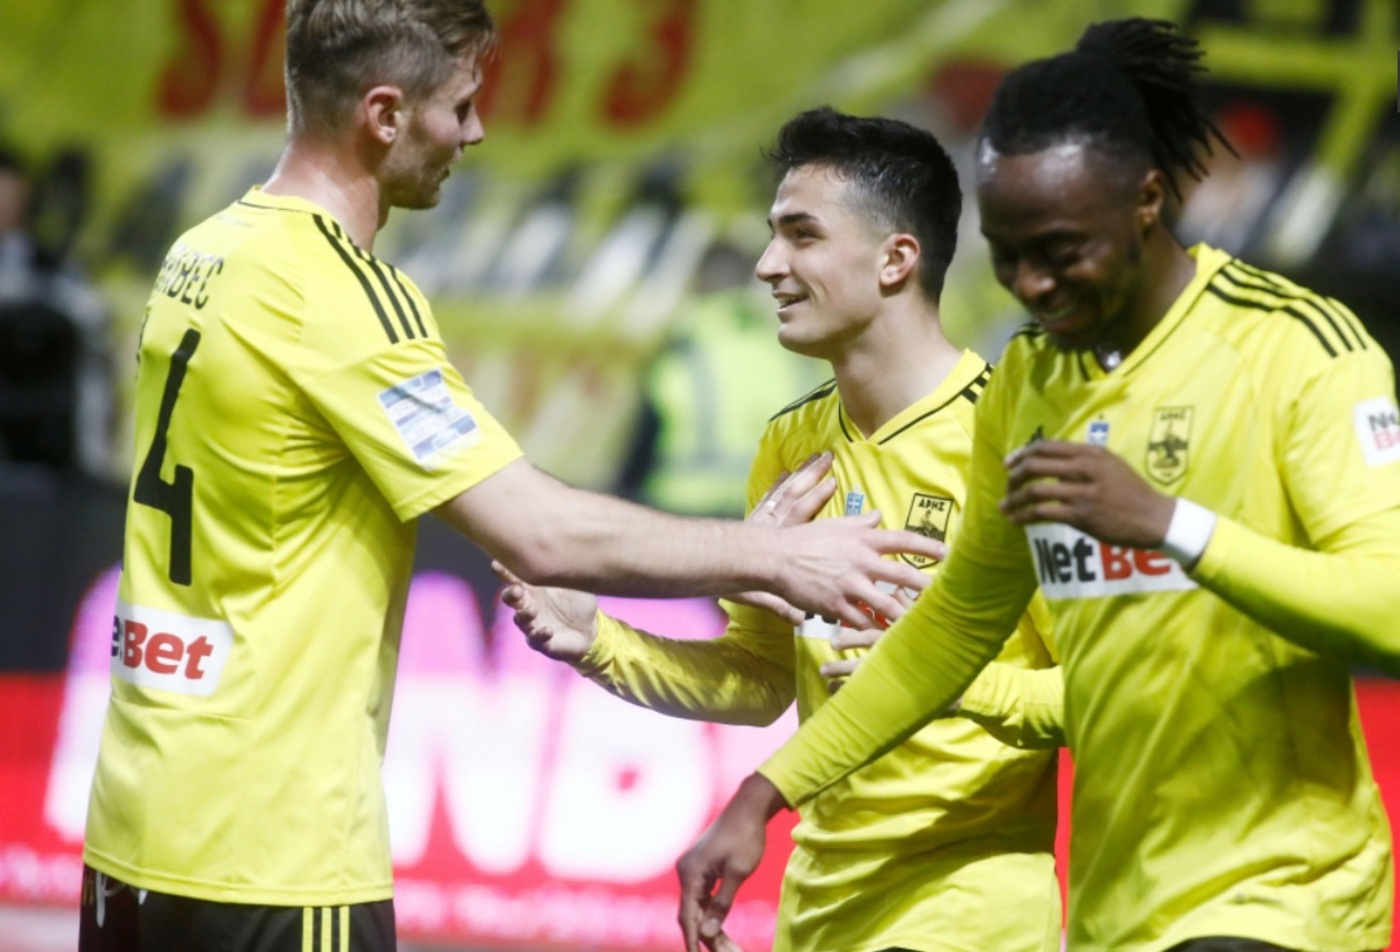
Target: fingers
pixel 718 906
pixel 771 603
pixel 1051 449
pixel 886 608
pixel 840 669
pixel 797 497
pixel 505 574
pixel 804 508
pixel 848 638
pixel 722 943
pixel 766 501
pixel 892 541
pixel 695 888
pixel 902 575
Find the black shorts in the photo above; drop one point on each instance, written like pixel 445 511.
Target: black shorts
pixel 1227 944
pixel 116 917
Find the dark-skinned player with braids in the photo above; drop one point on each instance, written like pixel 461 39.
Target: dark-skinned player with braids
pixel 1198 462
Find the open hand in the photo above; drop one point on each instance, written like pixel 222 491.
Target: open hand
pixel 793 499
pixel 559 623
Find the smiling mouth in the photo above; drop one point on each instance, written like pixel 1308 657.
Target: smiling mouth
pixel 1064 321
pixel 786 301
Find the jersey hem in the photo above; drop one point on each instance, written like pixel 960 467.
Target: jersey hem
pixel 223 892
pixel 1285 936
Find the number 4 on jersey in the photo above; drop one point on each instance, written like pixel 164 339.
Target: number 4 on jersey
pixel 175 498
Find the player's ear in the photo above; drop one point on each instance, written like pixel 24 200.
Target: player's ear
pixel 1152 196
pixel 901 257
pixel 383 109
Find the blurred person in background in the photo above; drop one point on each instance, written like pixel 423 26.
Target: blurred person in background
pixel 946 841
pixel 55 381
pixel 1197 462
pixel 713 386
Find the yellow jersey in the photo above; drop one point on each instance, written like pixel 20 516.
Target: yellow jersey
pixel 1222 784
pixel 295 411
pixel 945 843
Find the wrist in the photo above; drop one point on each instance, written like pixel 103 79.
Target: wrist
pixel 1189 532
pixel 760 793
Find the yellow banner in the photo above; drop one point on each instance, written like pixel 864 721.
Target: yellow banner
pixel 623 142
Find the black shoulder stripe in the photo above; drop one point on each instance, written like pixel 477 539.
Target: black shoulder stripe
pixel 970 393
pixel 378 267
pixel 338 244
pixel 825 390
pixel 1029 329
pixel 1345 315
pixel 1335 312
pixel 1264 284
pixel 973 390
pixel 407 296
pixel 841 419
pixel 1260 306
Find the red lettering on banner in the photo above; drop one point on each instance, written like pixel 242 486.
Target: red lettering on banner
pixel 164 652
pixel 189 82
pixel 133 636
pixel 1151 563
pixel 1116 562
pixel 1120 563
pixel 264 91
pixel 645 85
pixel 200 650
pixel 1386 439
pixel 520 82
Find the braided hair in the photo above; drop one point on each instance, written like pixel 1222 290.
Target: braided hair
pixel 1128 89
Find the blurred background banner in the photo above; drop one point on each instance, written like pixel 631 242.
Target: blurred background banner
pixel 590 266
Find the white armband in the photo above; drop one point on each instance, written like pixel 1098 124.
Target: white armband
pixel 1189 532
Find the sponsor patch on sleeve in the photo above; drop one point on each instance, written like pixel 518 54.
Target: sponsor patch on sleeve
pixel 1378 428
pixel 422 410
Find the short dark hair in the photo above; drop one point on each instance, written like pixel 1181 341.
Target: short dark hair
pixel 1128 89
pixel 337 49
pixel 903 175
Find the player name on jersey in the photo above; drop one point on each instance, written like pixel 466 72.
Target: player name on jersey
pixel 1070 564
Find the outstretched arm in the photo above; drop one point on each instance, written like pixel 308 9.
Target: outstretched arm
pixel 742 677
pixel 550 533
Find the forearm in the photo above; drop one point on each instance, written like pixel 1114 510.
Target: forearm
pixel 1021 707
pixel 722 679
pixel 549 533
pixel 1342 602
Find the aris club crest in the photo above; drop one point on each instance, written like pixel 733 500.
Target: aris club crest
pixel 928 516
pixel 1169 445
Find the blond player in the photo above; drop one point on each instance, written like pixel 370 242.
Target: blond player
pixel 295 414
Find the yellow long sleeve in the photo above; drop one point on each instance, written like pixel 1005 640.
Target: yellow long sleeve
pixel 743 677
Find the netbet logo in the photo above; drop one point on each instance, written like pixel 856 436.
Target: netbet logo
pixel 1378 429
pixel 1070 564
pixel 156 649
